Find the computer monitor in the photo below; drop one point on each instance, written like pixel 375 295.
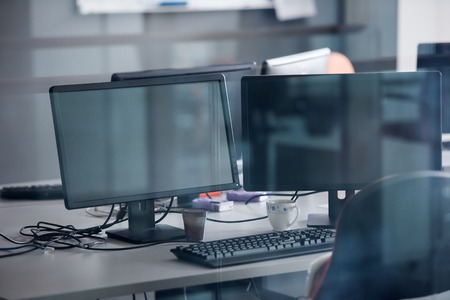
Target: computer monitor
pixel 436 56
pixel 137 141
pixel 310 62
pixel 233 74
pixel 338 132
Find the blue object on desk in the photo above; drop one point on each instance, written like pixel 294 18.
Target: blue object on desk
pixel 173 3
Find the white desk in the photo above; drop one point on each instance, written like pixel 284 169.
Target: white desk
pixel 89 274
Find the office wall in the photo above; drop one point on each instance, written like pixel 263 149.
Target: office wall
pixel 377 39
pixel 47 42
pixel 418 22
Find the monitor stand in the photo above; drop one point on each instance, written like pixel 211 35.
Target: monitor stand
pixel 142 228
pixel 335 205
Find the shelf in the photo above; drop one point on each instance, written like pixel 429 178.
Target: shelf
pixel 56 42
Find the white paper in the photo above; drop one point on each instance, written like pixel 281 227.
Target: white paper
pixel 137 6
pixel 294 9
pixel 115 6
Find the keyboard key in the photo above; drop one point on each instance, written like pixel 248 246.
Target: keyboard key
pixel 33 192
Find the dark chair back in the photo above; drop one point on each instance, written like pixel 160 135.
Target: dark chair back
pixel 393 241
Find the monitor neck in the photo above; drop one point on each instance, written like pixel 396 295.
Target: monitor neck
pixel 335 204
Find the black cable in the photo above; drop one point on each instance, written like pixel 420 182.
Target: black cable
pixel 46 235
pixel 30 243
pixel 54 233
pixel 268 194
pixel 17 247
pixel 138 246
pixel 63 237
pixel 21 252
pixel 294 197
pixel 236 221
pixel 109 215
pixel 166 212
pixel 120 217
pixel 13 241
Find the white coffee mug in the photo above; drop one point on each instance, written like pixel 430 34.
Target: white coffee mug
pixel 281 213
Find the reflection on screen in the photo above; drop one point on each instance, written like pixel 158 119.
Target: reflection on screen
pixel 338 131
pixel 154 140
pixel 233 74
pixel 436 56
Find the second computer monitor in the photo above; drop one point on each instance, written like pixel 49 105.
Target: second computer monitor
pixel 299 135
pixel 310 62
pixel 233 74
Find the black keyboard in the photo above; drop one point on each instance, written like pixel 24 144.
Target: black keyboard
pixel 33 192
pixel 253 248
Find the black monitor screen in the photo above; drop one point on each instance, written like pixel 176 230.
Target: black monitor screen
pixel 436 56
pixel 130 141
pixel 338 132
pixel 233 74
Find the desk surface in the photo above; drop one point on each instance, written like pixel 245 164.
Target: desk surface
pixel 78 273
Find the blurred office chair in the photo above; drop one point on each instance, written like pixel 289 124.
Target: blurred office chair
pixel 392 242
pixel 338 63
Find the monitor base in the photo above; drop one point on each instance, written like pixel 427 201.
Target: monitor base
pixel 160 233
pixel 319 221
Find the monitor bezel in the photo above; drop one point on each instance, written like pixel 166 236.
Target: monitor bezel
pixel 72 203
pixel 168 72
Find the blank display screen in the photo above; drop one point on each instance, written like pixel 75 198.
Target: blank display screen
pixel 327 132
pixel 121 143
pixel 436 56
